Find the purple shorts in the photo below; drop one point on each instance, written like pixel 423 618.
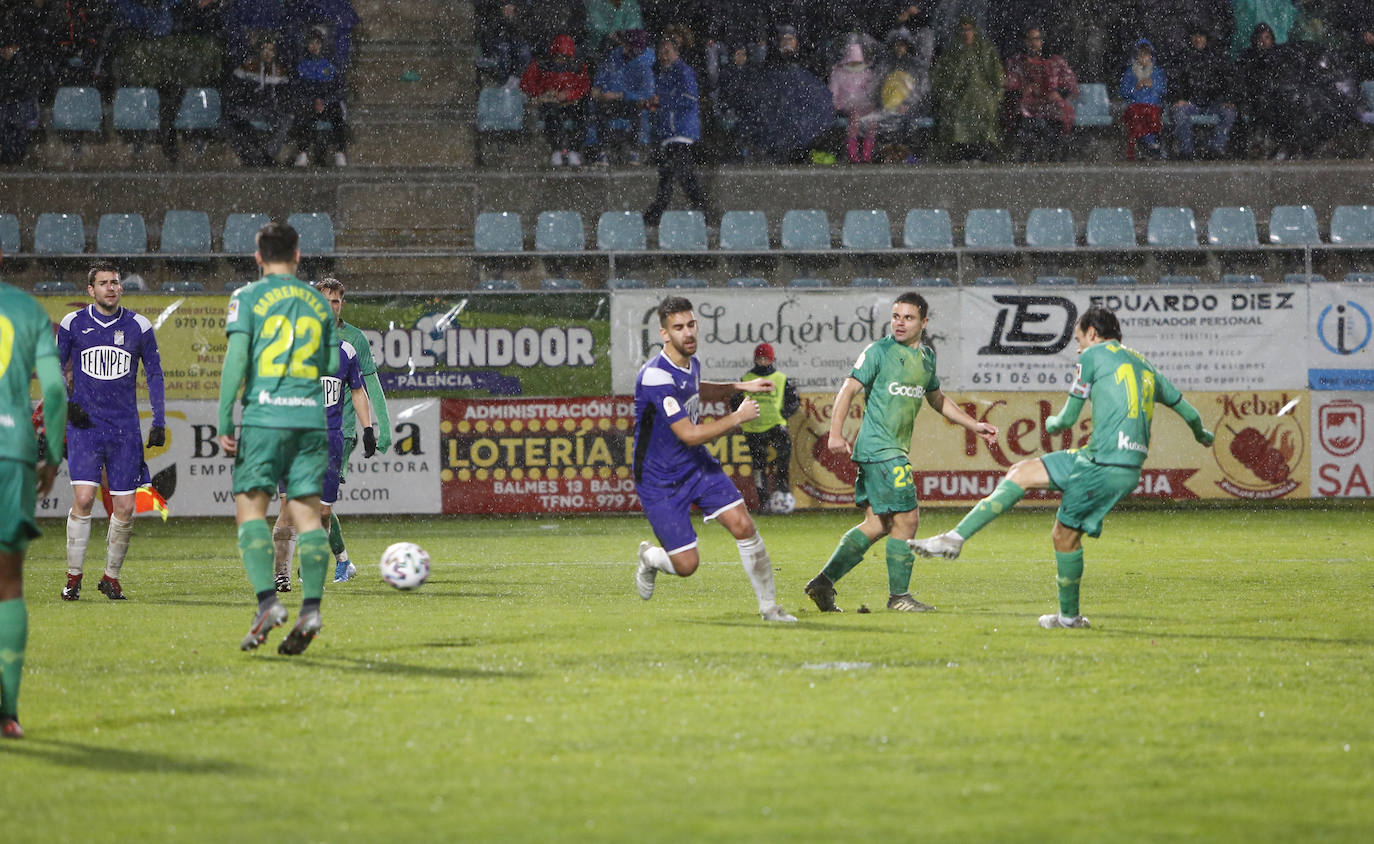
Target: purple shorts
pixel 669 508
pixel 119 454
pixel 332 475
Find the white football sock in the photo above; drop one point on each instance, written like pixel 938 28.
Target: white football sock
pixel 657 558
pixel 754 556
pixel 78 536
pixel 117 541
pixel 283 547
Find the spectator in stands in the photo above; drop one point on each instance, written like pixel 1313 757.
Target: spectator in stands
pixel 738 85
pixel 966 87
pixel 1362 54
pixel 505 43
pixel 676 127
pixel 1278 15
pixel 606 17
pixel 1168 23
pixel 319 98
pixel 336 19
pixel 1043 88
pixel 1203 84
pixel 547 19
pixel 947 17
pixel 1008 20
pixel 624 80
pixel 558 85
pixel 904 82
pixel 791 106
pixel 728 26
pixel 1143 88
pixel 74 36
pixel 248 22
pixel 1269 81
pixel 258 108
pixel 19 89
pixel 853 86
pixel 1325 23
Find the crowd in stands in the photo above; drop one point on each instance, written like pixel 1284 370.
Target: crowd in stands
pixel 281 66
pixel 992 80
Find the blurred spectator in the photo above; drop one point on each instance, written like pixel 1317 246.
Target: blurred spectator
pixel 854 88
pixel 738 85
pixel 558 85
pixel 624 80
pixel 791 106
pixel 1168 23
pixel 1269 79
pixel 1008 20
pixel 335 19
pixel 76 40
pixel 605 17
pixel 1204 83
pixel 1043 88
pixel 904 81
pixel 947 16
pixel 1143 88
pixel 258 107
pixel 966 87
pixel 1325 23
pixel 19 89
pixel 547 19
pixel 319 97
pixel 1362 54
pixel 1278 15
pixel 1097 35
pixel 727 25
pixel 505 44
pixel 248 22
pixel 677 126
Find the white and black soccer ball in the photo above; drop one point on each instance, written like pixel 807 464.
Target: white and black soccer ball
pixel 405 565
pixel 782 503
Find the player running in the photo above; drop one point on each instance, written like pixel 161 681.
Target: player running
pixel 282 338
pixel 28 466
pixel 103 344
pixel 673 469
pixel 1123 387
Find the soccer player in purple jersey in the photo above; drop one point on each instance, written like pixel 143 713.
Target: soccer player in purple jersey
pixel 673 470
pixel 103 344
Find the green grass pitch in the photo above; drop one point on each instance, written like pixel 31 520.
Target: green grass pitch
pixel 527 694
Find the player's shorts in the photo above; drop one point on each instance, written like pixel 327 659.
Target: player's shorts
pixel 268 457
pixel 669 508
pixel 18 497
pixel 350 443
pixel 119 453
pixel 1090 489
pixel 888 486
pixel 333 473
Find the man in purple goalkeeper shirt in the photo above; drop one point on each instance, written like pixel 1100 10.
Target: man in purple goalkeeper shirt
pixel 673 470
pixel 103 344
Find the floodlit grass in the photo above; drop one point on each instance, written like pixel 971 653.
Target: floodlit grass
pixel 527 694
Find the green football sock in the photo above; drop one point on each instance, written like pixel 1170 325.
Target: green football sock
pixel 848 554
pixel 900 558
pixel 336 543
pixel 1002 499
pixel 1070 573
pixel 255 549
pixel 14 636
pixel 314 549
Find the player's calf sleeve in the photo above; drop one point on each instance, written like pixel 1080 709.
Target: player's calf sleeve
pixel 336 541
pixel 900 559
pixel 78 537
pixel 117 546
pixel 314 563
pixel 754 556
pixel 255 549
pixel 848 554
pixel 1070 574
pixel 283 547
pixel 14 637
pixel 1001 500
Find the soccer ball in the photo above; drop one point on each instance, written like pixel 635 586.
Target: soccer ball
pixel 782 503
pixel 405 565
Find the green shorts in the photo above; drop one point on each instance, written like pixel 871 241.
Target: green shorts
pixel 18 497
pixel 1090 489
pixel 271 457
pixel 888 486
pixel 350 443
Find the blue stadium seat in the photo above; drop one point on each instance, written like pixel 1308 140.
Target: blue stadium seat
pixel 682 231
pixel 625 284
pixel 231 286
pixel 744 231
pixel 993 281
pixel 498 231
pixel 1180 280
pixel 1116 280
pixel 1241 278
pixel 1050 228
pixel 747 282
pixel 1360 278
pixel 1293 225
pixel 988 228
pixel 57 234
pixel 805 229
pixel 560 284
pixel 1304 278
pixel 1232 225
pixel 121 234
pixel 134 283
pixel 559 231
pixel 77 110
pixel 185 231
pixel 932 281
pixel 1093 108
pixel 1367 112
pixel 928 228
pixel 316 230
pixel 1058 280
pixel 241 231
pixel 871 281
pixel 136 110
pixel 497 284
pixel 200 110
pixel 866 229
pixel 9 234
pixel 500 110
pixel 1112 228
pixel 1171 226
pixel 1353 225
pixel 685 283
pixel 621 230
pixel 183 287
pixel 50 287
pixel 808 283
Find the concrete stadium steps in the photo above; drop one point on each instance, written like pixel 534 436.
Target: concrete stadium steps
pixel 402 20
pixel 411 74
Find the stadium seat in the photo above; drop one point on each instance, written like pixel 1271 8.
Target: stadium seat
pixel 1293 225
pixel 77 110
pixel 9 234
pixel 1171 227
pixel 497 284
pixel 1058 280
pixel 685 283
pixel 1180 280
pixel 500 110
pixel 1111 228
pixel 808 283
pixel 1111 280
pixel 58 234
pixel 135 110
pixel 241 231
pixel 932 281
pixel 183 287
pixel 1304 278
pixel 1232 225
pixel 133 282
pixel 1360 278
pixel 1093 107
pixel 744 231
pixel 316 230
pixel 1241 278
pixel 625 284
pixel 988 228
pixel 805 229
pixel 870 281
pixel 866 229
pixel 231 286
pixel 1050 228
pixel 498 231
pixel 1367 100
pixel 621 230
pixel 560 284
pixel 50 287
pixel 200 110
pixel 185 231
pixel 559 231
pixel 927 228
pixel 682 231
pixel 1353 225
pixel 993 281
pixel 747 282
pixel 121 234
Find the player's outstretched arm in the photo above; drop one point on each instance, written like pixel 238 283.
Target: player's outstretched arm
pixel 1066 417
pixel 947 408
pixel 54 388
pixel 230 380
pixel 693 433
pixel 373 385
pixel 1190 415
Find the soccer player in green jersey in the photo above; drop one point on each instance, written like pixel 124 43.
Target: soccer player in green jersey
pixel 1123 387
pixel 282 338
pixel 28 467
pixel 895 373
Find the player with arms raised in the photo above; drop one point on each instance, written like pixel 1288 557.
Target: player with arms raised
pixel 282 339
pixel 673 470
pixel 1123 387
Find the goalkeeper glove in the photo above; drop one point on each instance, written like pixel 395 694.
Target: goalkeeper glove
pixel 369 441
pixel 157 436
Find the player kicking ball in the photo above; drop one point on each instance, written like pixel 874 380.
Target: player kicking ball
pixel 1123 387
pixel 673 469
